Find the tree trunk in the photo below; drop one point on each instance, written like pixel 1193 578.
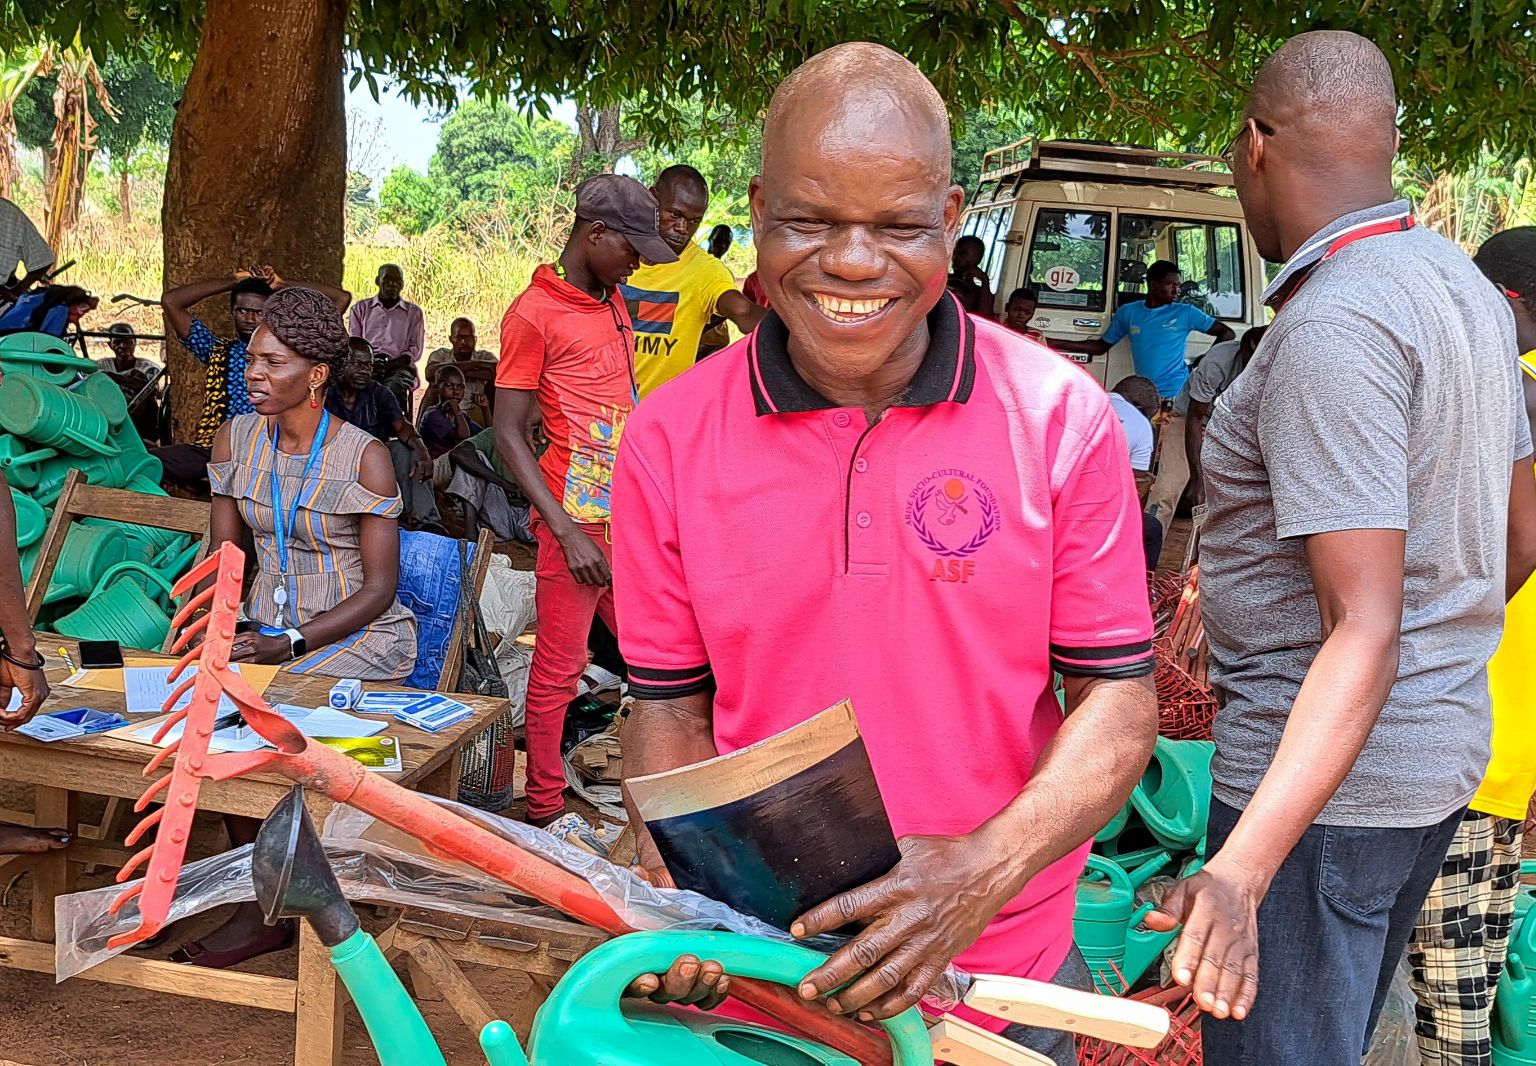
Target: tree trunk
pixel 257 169
pixel 125 195
pixel 10 169
pixel 600 142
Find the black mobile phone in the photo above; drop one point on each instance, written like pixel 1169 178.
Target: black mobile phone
pixel 101 655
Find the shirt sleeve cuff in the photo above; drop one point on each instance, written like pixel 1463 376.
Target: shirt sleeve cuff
pixel 1117 661
pixel 648 683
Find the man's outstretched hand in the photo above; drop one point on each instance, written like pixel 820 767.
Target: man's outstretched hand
pixel 929 908
pixel 1218 953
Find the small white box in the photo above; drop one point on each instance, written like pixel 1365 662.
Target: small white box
pixel 346 693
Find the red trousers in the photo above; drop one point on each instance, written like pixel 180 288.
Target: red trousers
pixel 565 609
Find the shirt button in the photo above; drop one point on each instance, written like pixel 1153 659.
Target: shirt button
pixel 860 465
pixel 840 419
pixel 863 520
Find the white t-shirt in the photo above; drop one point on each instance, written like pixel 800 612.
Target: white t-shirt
pixel 1138 431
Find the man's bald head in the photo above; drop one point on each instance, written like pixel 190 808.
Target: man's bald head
pixel 1318 138
pixel 681 175
pixel 1336 84
pixel 855 216
pixel 859 94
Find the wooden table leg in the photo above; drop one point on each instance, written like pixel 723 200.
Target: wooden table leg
pixel 52 873
pixel 443 782
pixel 321 1015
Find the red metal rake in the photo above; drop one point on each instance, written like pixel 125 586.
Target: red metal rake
pixel 330 773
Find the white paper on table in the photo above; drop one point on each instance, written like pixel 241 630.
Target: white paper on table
pixel 15 704
pixel 329 722
pixel 230 738
pixel 311 721
pixel 147 688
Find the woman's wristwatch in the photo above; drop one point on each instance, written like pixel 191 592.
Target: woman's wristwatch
pixel 298 647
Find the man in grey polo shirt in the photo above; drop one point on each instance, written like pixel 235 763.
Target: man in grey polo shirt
pixel 1359 477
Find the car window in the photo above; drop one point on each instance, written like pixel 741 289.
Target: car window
pixel 1209 256
pixel 1068 254
pixel 991 226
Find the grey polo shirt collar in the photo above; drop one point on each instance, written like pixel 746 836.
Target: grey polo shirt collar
pixel 1312 251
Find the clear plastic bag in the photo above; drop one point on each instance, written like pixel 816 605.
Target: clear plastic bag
pixel 376 863
pixel 1395 1043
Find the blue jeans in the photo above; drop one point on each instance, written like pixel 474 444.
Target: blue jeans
pixel 1332 930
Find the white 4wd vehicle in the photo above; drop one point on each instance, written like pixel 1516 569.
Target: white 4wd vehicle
pixel 1081 222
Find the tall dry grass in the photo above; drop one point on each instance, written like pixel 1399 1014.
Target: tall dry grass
pixel 472 270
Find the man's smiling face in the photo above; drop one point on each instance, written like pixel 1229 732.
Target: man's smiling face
pixel 855 219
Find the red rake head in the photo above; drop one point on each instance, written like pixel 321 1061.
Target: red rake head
pixel 213 680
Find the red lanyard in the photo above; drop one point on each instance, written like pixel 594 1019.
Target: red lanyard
pixel 1392 225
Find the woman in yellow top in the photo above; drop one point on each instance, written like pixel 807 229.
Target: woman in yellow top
pixel 1458 949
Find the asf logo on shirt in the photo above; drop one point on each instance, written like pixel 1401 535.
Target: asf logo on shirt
pixel 953 513
pixel 653 314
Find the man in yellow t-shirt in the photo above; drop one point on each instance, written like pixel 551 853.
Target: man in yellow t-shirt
pixel 1458 948
pixel 671 303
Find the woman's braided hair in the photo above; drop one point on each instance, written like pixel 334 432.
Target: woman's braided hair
pixel 309 323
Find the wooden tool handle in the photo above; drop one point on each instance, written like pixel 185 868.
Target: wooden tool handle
pixel 1047 1006
pixel 960 1043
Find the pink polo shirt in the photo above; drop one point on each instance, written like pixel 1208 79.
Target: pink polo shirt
pixel 934 568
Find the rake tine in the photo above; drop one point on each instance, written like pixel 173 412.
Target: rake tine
pixel 161 756
pixel 148 823
pixel 176 718
pixel 132 865
pixel 202 599
pixel 184 686
pixel 150 792
pixel 127 895
pixel 185 635
pixel 192 577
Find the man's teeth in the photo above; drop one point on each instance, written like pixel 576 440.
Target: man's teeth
pixel 846 310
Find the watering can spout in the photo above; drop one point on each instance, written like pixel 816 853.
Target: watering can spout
pixel 500 1045
pixel 292 876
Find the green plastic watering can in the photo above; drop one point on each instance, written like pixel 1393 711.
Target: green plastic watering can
pixel 31 519
pixel 1173 797
pixel 19 461
pixel 89 552
pixel 122 609
pixel 1514 1006
pixel 77 423
pixel 1107 922
pixel 42 356
pixel 585 1021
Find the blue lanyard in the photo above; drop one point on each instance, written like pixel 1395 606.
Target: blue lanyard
pixel 283 521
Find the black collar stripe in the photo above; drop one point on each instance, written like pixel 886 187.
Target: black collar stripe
pixel 947 373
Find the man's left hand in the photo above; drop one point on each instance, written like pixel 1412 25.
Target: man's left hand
pixel 929 908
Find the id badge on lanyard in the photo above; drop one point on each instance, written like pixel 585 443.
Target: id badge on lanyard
pixel 283 520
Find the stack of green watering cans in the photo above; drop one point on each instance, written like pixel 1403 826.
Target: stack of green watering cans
pixel 1161 830
pixel 1514 1005
pixel 59 413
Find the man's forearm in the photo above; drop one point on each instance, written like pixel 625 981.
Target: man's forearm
pixel 662 735
pixel 1083 777
pixel 1520 559
pixel 1194 439
pixel 1334 713
pixel 15 626
pixel 524 466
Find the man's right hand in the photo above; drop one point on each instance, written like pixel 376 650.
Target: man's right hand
pixel 33 686
pixel 1217 957
pixel 585 560
pixel 690 982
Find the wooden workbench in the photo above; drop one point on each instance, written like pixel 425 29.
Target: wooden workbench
pixel 62 772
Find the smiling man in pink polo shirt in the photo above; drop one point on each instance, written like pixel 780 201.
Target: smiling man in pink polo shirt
pixel 878 497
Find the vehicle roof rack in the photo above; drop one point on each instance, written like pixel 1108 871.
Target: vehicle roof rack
pixel 1103 161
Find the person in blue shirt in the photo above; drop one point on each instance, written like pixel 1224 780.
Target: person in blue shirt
pixel 1159 328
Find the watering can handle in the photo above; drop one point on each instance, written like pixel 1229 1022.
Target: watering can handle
pixel 131 566
pixel 627 957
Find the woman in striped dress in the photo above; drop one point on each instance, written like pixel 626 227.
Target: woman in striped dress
pixel 317 499
pixel 313 501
